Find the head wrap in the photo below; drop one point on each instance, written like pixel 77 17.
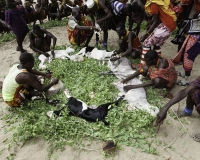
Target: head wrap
pixel 89 4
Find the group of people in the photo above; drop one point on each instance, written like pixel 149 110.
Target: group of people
pixel 162 19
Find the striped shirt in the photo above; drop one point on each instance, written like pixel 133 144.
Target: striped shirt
pixel 117 7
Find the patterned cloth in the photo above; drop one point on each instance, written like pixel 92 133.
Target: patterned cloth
pixel 195 94
pixel 136 45
pixel 168 73
pixel 72 32
pixel 188 52
pixel 45 47
pixel 117 7
pixel 158 36
pixel 19 97
pixel 16 22
pixel 165 6
pixel 106 24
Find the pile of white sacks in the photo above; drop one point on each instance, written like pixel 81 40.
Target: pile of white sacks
pixel 121 68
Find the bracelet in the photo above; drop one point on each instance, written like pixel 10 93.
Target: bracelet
pixel 120 56
pixel 141 70
pixel 147 33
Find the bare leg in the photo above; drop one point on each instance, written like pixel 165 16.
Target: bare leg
pixel 77 38
pixel 188 109
pixel 105 39
pixel 88 39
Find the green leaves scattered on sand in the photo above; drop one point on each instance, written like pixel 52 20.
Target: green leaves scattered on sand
pixel 131 128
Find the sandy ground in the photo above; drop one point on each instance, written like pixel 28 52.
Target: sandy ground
pixel 179 146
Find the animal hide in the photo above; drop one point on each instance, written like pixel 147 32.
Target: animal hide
pixel 81 109
pixel 136 98
pixel 95 54
pixel 55 89
pixel 61 54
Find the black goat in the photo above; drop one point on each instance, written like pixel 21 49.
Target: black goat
pixel 80 109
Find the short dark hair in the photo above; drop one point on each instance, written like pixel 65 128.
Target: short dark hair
pixel 127 8
pixel 25 58
pixel 151 55
pixel 75 9
pixel 135 6
pixel 36 27
pixel 121 26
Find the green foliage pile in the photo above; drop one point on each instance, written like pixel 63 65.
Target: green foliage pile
pixel 130 128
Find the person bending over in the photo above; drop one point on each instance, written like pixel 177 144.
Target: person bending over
pixel 193 99
pixel 164 22
pixel 54 10
pixel 40 41
pixel 161 71
pixel 103 13
pixel 79 28
pixel 129 43
pixel 21 82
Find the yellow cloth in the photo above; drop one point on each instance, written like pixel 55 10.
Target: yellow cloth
pixel 163 4
pixel 96 2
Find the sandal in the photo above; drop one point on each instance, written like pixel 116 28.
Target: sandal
pixel 196 137
pixel 182 83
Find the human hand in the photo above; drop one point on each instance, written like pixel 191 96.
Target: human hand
pixel 127 88
pixel 125 80
pixel 161 116
pixel 48 75
pixel 46 54
pixel 54 81
pixel 95 29
pixel 114 58
pixel 98 21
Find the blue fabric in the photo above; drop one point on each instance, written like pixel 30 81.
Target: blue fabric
pixel 188 111
pixel 117 7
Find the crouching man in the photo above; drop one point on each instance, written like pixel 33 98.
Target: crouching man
pixel 21 82
pixel 192 92
pixel 129 43
pixel 79 28
pixel 40 41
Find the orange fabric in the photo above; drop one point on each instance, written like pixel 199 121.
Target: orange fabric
pixel 164 17
pixel 137 45
pixel 84 34
pixel 18 99
pixel 168 74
